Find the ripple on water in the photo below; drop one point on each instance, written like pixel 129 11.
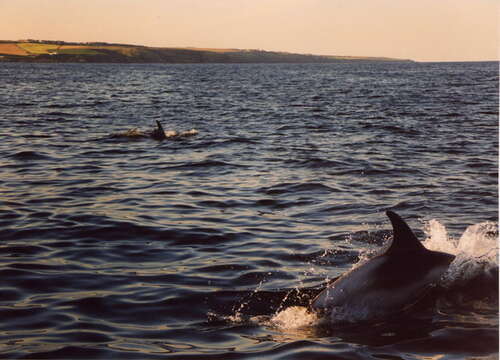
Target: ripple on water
pixel 30 155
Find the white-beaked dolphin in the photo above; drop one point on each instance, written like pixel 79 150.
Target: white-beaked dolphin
pixel 387 284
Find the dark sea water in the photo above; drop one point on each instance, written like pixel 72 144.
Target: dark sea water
pixel 212 247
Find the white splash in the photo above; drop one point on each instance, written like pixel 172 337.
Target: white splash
pixel 438 239
pixel 175 133
pixel 481 241
pixel 476 251
pixel 294 317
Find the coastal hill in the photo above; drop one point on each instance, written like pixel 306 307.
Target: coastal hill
pixel 96 52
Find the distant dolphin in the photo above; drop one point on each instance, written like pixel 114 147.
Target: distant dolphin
pixel 157 134
pixel 160 134
pixel 387 284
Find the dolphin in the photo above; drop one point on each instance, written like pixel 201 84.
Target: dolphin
pixel 157 134
pixel 160 134
pixel 388 284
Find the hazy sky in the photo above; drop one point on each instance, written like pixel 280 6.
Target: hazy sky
pixel 426 30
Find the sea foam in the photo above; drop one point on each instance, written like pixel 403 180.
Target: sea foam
pixel 476 250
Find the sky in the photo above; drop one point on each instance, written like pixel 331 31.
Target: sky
pixel 421 30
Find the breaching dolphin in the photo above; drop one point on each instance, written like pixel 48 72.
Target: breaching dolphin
pixel 387 284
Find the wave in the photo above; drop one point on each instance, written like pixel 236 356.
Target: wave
pixel 59 113
pixel 191 165
pixel 234 141
pixel 315 163
pixel 62 106
pixel 29 155
pixel 293 188
pixel 401 130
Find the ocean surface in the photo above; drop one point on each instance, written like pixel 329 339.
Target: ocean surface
pixel 212 246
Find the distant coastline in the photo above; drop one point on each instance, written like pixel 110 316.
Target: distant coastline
pixel 45 51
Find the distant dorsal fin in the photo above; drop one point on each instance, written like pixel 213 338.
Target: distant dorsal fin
pixel 404 239
pixel 160 128
pixel 158 133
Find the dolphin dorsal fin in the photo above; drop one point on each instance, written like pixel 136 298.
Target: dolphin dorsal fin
pixel 159 127
pixel 158 133
pixel 404 240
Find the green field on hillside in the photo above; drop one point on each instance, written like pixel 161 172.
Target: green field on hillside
pixel 35 48
pixel 78 51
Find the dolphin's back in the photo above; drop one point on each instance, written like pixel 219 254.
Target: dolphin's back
pixel 385 284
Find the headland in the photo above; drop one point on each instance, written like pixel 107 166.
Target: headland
pixel 47 51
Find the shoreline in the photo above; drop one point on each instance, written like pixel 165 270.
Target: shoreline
pixel 41 51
